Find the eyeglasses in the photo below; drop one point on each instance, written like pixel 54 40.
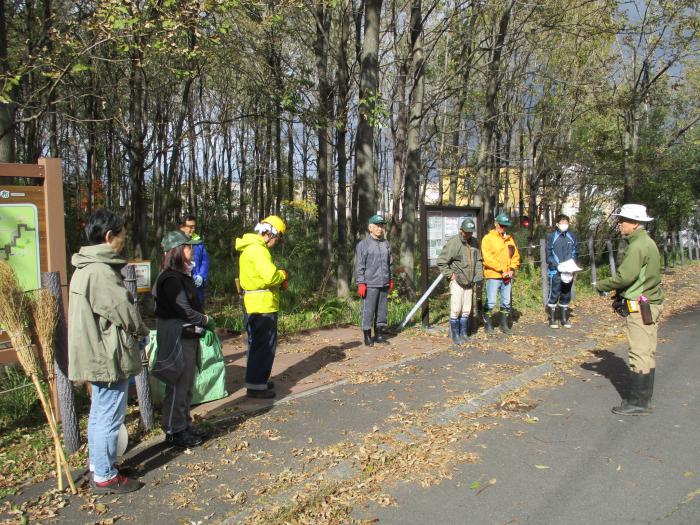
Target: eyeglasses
pixel 189 226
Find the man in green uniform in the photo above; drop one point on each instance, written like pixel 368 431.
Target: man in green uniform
pixel 460 262
pixel 637 284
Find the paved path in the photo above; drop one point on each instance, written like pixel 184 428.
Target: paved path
pixel 353 420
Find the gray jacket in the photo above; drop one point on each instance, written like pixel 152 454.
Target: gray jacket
pixel 373 262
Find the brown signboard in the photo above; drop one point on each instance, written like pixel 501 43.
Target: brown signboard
pixel 32 235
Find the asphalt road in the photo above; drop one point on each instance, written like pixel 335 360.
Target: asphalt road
pixel 571 461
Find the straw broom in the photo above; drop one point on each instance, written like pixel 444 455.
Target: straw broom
pixel 13 316
pixel 45 320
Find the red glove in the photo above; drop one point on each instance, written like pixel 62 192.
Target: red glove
pixel 285 283
pixel 362 290
pixel 391 284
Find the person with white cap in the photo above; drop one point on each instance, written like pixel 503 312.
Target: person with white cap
pixel 639 298
pixel 561 247
pixel 261 282
pixel 373 278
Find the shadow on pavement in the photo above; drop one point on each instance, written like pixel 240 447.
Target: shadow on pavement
pixel 613 368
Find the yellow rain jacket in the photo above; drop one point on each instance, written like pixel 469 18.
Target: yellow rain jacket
pixel 500 254
pixel 259 277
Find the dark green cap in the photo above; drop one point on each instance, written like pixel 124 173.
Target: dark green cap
pixel 468 225
pixel 503 219
pixel 377 219
pixel 177 238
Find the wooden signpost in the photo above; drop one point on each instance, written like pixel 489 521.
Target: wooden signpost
pixel 33 243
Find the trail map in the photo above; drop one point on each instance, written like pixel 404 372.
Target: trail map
pixel 19 242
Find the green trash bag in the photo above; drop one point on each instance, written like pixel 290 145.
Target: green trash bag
pixel 209 382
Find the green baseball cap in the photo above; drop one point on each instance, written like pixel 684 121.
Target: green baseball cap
pixel 503 219
pixel 468 225
pixel 177 238
pixel 377 219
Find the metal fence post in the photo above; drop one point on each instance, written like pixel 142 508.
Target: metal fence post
pixel 544 271
pixel 143 388
pixel 64 388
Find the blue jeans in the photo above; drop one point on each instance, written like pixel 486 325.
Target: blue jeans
pixel 107 411
pixel 493 286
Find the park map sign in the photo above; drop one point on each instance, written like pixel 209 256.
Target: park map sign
pixel 19 238
pixel 32 232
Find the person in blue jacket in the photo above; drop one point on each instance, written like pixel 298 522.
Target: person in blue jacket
pixel 561 246
pixel 200 272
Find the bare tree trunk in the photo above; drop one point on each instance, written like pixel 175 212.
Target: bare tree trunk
pixel 321 46
pixel 290 159
pixel 7 109
pixel 343 89
pixel 369 92
pixel 413 165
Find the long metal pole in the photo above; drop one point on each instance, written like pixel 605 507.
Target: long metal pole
pixel 421 301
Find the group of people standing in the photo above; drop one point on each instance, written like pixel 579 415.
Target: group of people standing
pixel 106 331
pixel 637 286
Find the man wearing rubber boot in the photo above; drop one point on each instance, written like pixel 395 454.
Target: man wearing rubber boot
pixel 460 262
pixel 639 298
pixel 501 260
pixel 373 278
pixel 261 281
pixel 561 246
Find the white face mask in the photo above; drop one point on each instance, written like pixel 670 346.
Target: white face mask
pixel 563 227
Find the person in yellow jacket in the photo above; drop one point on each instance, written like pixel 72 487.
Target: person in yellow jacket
pixel 501 260
pixel 261 282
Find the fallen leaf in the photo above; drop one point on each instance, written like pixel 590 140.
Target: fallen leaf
pixel 541 467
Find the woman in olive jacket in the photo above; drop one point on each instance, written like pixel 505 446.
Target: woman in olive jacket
pixel 104 329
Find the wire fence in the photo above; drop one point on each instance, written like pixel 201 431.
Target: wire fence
pixel 592 253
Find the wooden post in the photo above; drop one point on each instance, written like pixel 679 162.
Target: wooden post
pixel 64 388
pixel 545 271
pixel 591 254
pixel 673 249
pixel 425 309
pixel 680 246
pixel 611 257
pixel 143 388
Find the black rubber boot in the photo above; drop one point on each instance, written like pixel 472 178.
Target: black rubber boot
pixel 488 322
pixel 565 317
pixel 637 402
pixel 454 332
pixel 379 335
pixel 505 322
pixel 464 330
pixel 368 338
pixel 650 388
pixel 552 310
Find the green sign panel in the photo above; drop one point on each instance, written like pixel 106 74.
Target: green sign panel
pixel 19 242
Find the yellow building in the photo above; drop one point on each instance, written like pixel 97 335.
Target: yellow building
pixel 508 195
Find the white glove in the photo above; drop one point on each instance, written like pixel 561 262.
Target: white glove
pixel 198 281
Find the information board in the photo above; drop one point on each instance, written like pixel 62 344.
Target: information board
pixel 143 275
pixel 442 224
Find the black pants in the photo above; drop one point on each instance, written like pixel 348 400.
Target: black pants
pixel 178 397
pixel 559 292
pixel 262 345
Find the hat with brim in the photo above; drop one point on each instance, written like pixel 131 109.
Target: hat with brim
pixel 503 219
pixel 468 226
pixel 634 212
pixel 377 219
pixel 176 238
